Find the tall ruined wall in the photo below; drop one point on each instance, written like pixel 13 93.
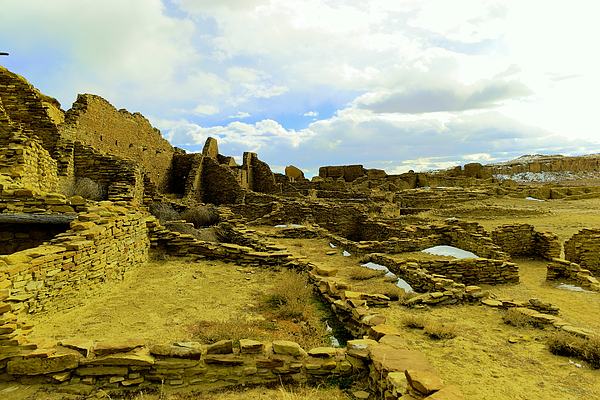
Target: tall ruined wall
pixel 260 176
pixel 97 123
pixel 23 104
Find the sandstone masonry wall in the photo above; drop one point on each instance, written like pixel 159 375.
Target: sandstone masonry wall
pixel 24 105
pixel 104 241
pixel 584 249
pixel 572 272
pixel 97 123
pixel 24 162
pixel 522 240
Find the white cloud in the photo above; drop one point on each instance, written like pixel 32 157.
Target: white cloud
pixel 311 114
pixel 240 115
pixel 205 110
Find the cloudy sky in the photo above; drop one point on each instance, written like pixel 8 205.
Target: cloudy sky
pixel 389 84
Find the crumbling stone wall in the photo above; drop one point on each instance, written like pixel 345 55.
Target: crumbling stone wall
pixel 583 248
pixel 24 162
pixel 97 123
pixel 348 172
pixel 522 240
pixel 103 242
pixel 124 178
pixel 258 175
pixel 24 105
pixel 220 183
pixel 572 272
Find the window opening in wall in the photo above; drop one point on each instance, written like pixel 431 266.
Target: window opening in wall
pixel 130 145
pixel 116 143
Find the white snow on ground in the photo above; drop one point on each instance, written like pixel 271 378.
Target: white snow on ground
pixel 449 251
pixel 522 177
pixel 401 283
pixel 533 198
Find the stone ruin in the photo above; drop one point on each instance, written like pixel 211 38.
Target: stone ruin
pixel 54 244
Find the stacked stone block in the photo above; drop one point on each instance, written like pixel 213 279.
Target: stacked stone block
pixel 25 163
pixel 572 272
pixel 584 249
pixel 103 242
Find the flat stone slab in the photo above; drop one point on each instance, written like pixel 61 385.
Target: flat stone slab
pixel 40 366
pixel 286 347
pixel 395 360
pixel 175 351
pixel 103 348
pixel 138 357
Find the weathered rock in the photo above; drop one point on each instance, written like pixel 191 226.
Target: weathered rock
pixel 176 351
pixel 322 352
pixel 139 357
pixel 286 347
pixel 221 347
pixel 424 382
pixel 39 366
pixel 248 346
pixel 387 358
pixel 379 331
pixel 103 348
pixel 447 393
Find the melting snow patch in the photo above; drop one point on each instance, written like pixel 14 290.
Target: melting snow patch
pixel 401 283
pixel 332 245
pixel 346 254
pixel 573 288
pixel 449 251
pixel 533 198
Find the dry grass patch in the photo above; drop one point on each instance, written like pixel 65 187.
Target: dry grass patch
pixel 235 329
pixel 290 296
pixel 364 273
pixel 438 330
pixel 415 321
pixel 565 344
pixel 520 320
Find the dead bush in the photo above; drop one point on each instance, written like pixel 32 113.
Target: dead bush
pixel 564 344
pixel 364 273
pixel 415 321
pixel 89 189
pixel 164 212
pixel 438 330
pixel 222 233
pixel 291 295
pixel 520 320
pixel 201 216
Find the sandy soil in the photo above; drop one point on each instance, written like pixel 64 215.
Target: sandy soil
pixel 161 301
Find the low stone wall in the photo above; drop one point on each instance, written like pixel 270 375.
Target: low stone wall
pixel 572 272
pixel 522 240
pixel 104 241
pixel 584 249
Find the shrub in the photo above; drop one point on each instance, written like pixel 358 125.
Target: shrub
pixel 388 289
pixel 89 189
pixel 565 344
pixel 515 318
pixel 364 273
pixel 438 330
pixel 201 215
pixel 291 295
pixel 164 212
pixel 414 320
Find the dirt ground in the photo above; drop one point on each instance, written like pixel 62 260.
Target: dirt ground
pixel 161 302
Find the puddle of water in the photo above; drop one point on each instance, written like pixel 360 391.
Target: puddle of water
pixel 401 283
pixel 573 288
pixel 449 251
